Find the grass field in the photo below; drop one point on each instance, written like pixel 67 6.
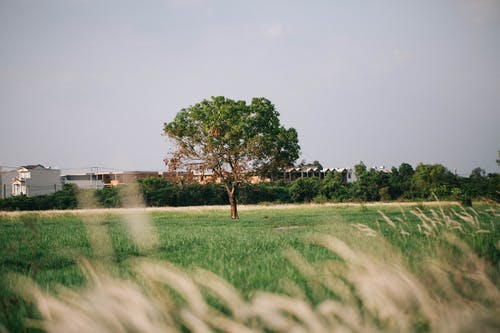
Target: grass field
pixel 436 256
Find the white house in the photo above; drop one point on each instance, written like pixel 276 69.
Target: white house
pixel 31 180
pixel 6 178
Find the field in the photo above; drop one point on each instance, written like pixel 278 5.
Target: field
pixel 303 268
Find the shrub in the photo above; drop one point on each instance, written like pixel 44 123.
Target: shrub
pixel 158 192
pixel 265 192
pixel 304 189
pixel 109 197
pixel 63 199
pixel 384 194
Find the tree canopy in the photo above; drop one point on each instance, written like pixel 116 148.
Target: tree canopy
pixel 232 139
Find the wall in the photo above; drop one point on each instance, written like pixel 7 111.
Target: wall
pixel 5 183
pixel 43 181
pixel 84 181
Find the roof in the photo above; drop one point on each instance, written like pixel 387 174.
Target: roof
pixel 315 169
pixel 32 166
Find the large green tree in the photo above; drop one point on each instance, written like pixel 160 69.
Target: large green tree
pixel 233 139
pixel 436 179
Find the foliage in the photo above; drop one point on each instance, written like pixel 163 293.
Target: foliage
pixel 479 185
pixel 277 192
pixel 64 199
pixel 233 139
pixel 201 195
pixel 158 192
pixel 304 189
pixel 400 182
pixel 403 184
pixel 433 178
pixel 368 183
pixel 333 187
pixel 315 164
pixel 109 197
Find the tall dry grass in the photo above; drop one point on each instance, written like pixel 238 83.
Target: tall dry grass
pixel 360 292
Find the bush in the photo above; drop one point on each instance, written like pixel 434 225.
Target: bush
pixel 304 189
pixel 201 194
pixel 109 197
pixel 423 183
pixel 334 188
pixel 66 199
pixel 384 193
pixel 265 192
pixel 158 192
pixel 63 199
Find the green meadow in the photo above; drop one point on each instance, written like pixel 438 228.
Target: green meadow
pixel 275 250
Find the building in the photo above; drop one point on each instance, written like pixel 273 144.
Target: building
pixel 100 180
pixel 127 177
pixel 84 180
pixel 293 173
pixel 6 179
pixel 32 180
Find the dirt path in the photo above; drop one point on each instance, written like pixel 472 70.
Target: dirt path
pixel 224 207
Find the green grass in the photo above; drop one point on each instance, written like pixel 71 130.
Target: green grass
pixel 248 253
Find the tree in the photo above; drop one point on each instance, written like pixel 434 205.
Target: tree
pixel 435 179
pixel 368 183
pixel 400 181
pixel 334 186
pixel 477 173
pixel 304 189
pixel 157 191
pixel 232 139
pixel 476 185
pixel 314 164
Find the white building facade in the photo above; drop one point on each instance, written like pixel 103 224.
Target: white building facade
pixel 32 180
pixel 6 179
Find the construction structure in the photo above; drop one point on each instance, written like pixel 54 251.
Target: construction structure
pixel 99 180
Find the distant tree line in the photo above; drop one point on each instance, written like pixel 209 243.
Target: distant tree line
pixel 403 183
pixel 64 199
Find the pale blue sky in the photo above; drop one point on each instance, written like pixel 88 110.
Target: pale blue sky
pixel 86 83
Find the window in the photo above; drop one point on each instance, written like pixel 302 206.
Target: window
pixel 25 175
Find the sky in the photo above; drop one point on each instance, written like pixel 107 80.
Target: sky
pixel 90 83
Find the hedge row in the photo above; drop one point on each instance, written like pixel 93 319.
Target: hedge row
pixel 64 199
pixel 426 182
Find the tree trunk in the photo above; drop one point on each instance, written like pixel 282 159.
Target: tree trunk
pixel 233 202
